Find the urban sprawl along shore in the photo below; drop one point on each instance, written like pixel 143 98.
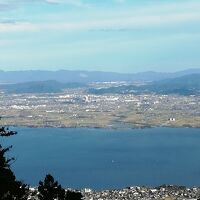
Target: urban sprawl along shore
pixel 77 108
pixel 164 192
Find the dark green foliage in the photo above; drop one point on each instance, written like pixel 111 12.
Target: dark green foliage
pixel 6 133
pixel 50 190
pixel 10 188
pixel 73 195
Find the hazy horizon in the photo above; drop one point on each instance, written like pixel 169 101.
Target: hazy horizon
pixel 81 70
pixel 110 35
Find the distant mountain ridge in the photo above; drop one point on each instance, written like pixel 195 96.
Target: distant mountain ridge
pixel 66 76
pixel 184 85
pixel 49 86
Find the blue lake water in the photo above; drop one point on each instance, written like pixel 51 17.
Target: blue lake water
pixel 105 158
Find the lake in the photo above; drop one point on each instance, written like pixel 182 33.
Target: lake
pixel 107 158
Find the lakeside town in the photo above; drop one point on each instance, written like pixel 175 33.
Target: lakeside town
pixel 78 108
pixel 164 192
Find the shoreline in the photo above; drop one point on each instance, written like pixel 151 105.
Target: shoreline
pixel 99 127
pixel 96 128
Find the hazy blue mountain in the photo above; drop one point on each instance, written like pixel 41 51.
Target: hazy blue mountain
pixel 86 76
pixel 184 85
pixel 39 87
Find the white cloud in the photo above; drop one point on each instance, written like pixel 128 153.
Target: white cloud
pixel 109 19
pixel 77 3
pixel 16 27
pixel 128 22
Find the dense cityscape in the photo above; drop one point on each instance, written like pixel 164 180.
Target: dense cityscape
pixel 77 108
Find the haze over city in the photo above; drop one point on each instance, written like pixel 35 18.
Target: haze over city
pixel 108 35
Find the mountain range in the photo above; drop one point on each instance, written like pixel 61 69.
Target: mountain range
pixel 66 76
pixel 49 86
pixel 184 85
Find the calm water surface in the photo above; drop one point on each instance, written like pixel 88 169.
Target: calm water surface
pixel 104 159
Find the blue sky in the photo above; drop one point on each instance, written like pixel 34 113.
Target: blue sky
pixel 106 35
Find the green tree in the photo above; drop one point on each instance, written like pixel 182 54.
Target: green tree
pixel 10 188
pixel 51 190
pixel 71 195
